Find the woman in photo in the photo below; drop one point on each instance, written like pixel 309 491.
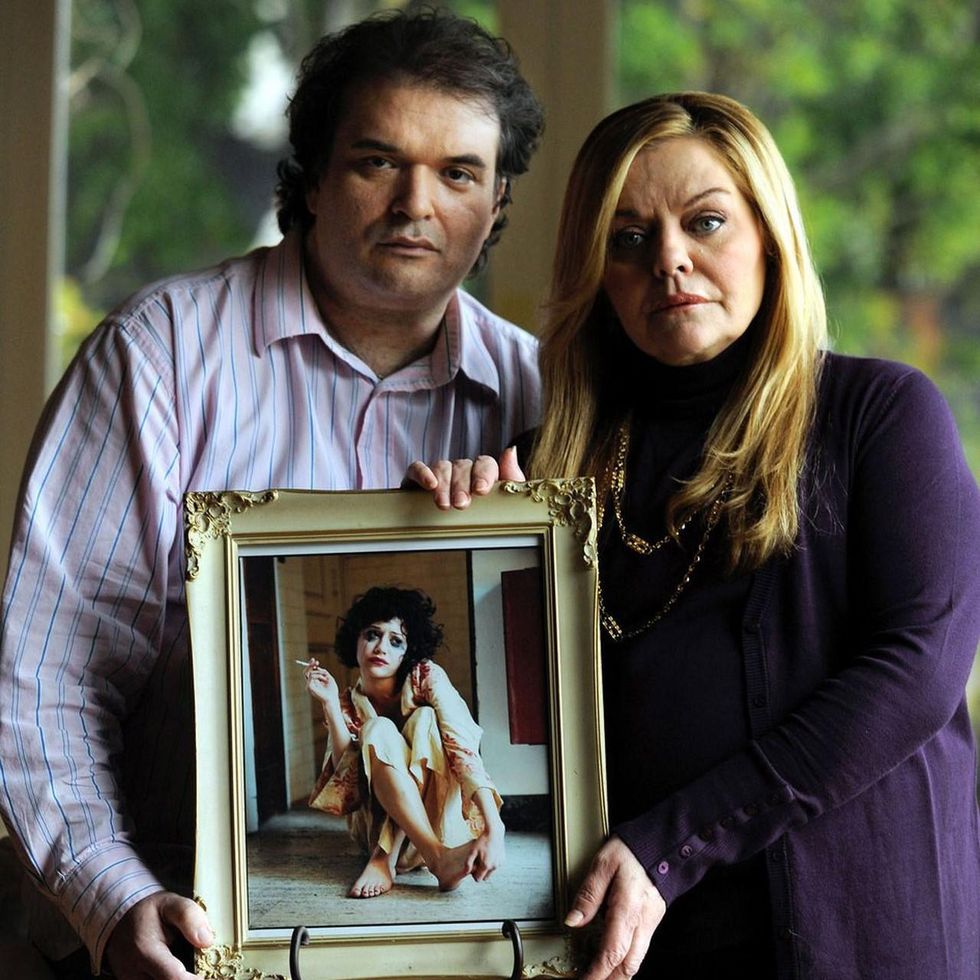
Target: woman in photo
pixel 789 578
pixel 403 752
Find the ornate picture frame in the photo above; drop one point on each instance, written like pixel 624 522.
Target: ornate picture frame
pixel 513 579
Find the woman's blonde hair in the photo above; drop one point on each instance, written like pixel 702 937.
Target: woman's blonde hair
pixel 759 439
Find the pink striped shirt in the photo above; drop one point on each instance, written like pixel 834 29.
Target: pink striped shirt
pixel 226 379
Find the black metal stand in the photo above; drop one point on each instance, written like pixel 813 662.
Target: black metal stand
pixel 511 931
pixel 301 937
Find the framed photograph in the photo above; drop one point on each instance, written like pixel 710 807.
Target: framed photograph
pixel 296 601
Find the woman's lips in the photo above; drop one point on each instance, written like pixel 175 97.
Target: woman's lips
pixel 678 300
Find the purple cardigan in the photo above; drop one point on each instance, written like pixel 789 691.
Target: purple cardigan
pixel 859 783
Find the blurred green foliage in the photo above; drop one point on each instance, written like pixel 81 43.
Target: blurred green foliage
pixel 152 87
pixel 874 103
pixel 876 106
pixel 158 181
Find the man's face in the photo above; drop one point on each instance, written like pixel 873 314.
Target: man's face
pixel 405 202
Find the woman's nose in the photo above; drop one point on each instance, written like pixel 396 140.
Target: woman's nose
pixel 671 255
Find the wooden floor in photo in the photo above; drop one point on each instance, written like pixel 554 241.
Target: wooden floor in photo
pixel 291 881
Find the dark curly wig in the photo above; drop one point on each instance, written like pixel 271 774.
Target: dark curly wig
pixel 429 47
pixel 412 606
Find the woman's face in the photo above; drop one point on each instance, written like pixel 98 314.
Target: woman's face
pixel 381 647
pixel 686 266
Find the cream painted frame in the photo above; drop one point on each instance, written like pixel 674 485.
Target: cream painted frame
pixel 560 515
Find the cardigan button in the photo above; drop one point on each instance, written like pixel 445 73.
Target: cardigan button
pixel 706 833
pixel 759 701
pixel 663 868
pixel 751 809
pixel 727 821
pixel 687 851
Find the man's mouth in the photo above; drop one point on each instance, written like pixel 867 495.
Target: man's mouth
pixel 409 243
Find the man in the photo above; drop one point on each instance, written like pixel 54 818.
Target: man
pixel 331 362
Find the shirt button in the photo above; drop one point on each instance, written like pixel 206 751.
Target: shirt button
pixel 663 868
pixel 687 851
pixel 759 701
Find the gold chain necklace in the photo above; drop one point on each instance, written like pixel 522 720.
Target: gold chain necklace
pixel 616 481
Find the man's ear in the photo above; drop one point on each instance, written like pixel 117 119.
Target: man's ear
pixel 312 197
pixel 503 194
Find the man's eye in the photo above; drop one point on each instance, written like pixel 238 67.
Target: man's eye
pixel 376 163
pixel 459 176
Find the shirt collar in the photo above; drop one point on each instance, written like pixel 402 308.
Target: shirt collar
pixel 285 307
pixel 283 304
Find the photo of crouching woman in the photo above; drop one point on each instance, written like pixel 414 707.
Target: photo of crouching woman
pixel 403 752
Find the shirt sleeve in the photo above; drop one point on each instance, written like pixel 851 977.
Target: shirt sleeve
pixel 460 733
pixel 337 790
pixel 82 621
pixel 913 537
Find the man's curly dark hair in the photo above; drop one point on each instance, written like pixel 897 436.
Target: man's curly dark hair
pixel 381 603
pixel 431 48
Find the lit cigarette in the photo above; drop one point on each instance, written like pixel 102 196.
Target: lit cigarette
pixel 302 663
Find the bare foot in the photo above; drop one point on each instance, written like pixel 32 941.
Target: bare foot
pixel 453 865
pixel 376 878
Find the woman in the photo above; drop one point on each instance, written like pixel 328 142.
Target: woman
pixel 789 578
pixel 402 760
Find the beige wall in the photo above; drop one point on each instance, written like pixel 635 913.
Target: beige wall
pixel 30 220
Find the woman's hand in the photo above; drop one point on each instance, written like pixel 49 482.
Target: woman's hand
pixel 321 683
pixel 489 851
pixel 454 483
pixel 634 908
pixel 489 855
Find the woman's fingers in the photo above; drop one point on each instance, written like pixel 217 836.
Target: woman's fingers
pixel 509 467
pixel 633 907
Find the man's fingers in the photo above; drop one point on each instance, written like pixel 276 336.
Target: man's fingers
pixel 460 483
pixel 442 473
pixel 140 944
pixel 421 475
pixel 483 475
pixel 189 919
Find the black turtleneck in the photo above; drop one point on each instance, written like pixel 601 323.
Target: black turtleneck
pixel 675 695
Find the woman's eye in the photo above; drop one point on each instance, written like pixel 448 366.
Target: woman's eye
pixel 371 634
pixel 628 238
pixel 707 223
pixel 398 641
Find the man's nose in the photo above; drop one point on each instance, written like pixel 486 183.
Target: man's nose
pixel 414 195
